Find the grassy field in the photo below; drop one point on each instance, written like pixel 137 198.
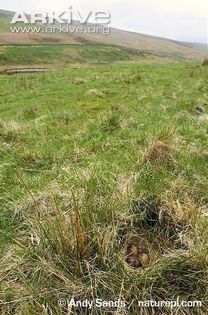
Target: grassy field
pixel 62 55
pixel 94 162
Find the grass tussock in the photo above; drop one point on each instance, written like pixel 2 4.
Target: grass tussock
pixel 110 121
pixel 78 81
pixel 205 61
pixel 30 113
pixel 160 153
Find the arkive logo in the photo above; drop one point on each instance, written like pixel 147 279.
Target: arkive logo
pixel 68 16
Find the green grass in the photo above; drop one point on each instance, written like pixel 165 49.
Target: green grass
pixel 62 54
pixel 88 158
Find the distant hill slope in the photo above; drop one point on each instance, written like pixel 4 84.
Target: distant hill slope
pixel 130 40
pixel 199 45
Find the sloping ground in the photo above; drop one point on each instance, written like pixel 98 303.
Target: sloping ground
pixel 153 45
pixel 103 189
pixel 62 55
pixel 22 39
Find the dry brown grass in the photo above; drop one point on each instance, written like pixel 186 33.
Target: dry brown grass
pixel 182 210
pixel 160 154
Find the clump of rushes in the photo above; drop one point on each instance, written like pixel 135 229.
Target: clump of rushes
pixel 66 236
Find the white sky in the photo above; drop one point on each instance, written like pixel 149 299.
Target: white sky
pixel 185 20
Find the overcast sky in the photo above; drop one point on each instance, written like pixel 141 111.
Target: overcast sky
pixel 185 20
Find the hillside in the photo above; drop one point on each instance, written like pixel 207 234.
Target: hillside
pixel 143 43
pixel 64 55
